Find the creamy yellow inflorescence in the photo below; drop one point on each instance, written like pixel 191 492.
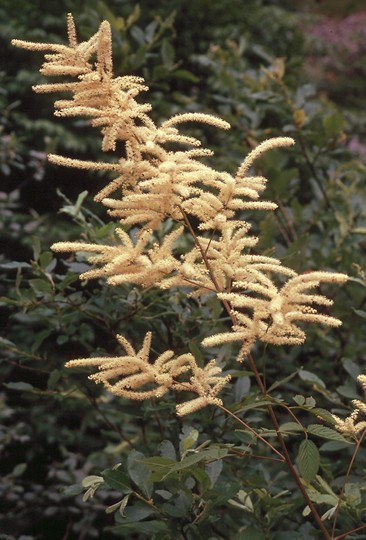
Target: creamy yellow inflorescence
pixel 349 425
pixel 155 184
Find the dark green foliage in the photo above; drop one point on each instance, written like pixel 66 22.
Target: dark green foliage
pixel 157 476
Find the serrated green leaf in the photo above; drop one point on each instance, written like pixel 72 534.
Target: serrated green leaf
pixel 289 427
pixel 310 402
pixel 335 446
pixel 325 432
pixel 300 400
pixel 324 414
pixel 308 460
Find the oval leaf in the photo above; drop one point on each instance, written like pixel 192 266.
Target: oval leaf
pixel 325 432
pixel 308 460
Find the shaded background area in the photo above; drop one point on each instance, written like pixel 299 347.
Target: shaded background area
pixel 269 69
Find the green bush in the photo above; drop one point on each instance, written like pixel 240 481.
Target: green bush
pixel 197 476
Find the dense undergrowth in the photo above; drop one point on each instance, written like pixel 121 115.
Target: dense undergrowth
pixel 58 427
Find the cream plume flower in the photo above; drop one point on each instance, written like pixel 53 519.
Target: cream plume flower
pixel 134 376
pixel 161 180
pixel 129 262
pixel 349 426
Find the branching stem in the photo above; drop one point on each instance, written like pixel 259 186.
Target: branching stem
pixel 263 391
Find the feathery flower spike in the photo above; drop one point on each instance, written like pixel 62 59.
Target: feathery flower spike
pixel 161 180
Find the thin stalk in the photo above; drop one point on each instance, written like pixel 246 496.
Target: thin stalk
pixel 355 452
pixel 350 532
pixel 227 411
pixel 286 454
pixel 262 389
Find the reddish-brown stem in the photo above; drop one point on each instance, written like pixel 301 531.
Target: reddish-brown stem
pixel 262 389
pixel 341 494
pixel 290 465
pixel 349 532
pixel 227 411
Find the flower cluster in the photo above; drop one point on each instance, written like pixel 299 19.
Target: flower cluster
pixel 134 376
pixel 161 180
pixel 349 425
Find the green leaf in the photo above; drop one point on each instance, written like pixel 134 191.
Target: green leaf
pixel 53 379
pixel 291 427
pixel 138 35
pixel 353 494
pixel 282 381
pixel 22 386
pixel 133 16
pixel 159 467
pixel 167 53
pixel 308 460
pixel 202 478
pixel 14 265
pixel 214 470
pixel 333 124
pixel 153 527
pixel 360 313
pixel 250 533
pixel 41 286
pixel 138 472
pixel 39 339
pixel 116 479
pixel 324 414
pixel 137 512
pixel 167 450
pixel 300 400
pixel 45 259
pixel 310 402
pixel 19 469
pixel 335 446
pixel 187 462
pixel 351 367
pixel 188 439
pixel 178 506
pixel 185 74
pixel 91 481
pixel 73 490
pixel 325 432
pixel 310 377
